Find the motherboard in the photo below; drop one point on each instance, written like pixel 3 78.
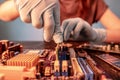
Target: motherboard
pixel 84 62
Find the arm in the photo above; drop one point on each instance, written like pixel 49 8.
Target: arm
pixel 80 30
pixel 112 25
pixel 8 12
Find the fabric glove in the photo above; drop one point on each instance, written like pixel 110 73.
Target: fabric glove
pixel 42 13
pixel 79 30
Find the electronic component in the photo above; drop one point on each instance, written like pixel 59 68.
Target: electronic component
pixel 64 68
pixel 86 69
pixel 56 68
pixel 85 62
pixel 111 63
pixel 28 60
pixel 47 71
pixel 17 72
pixel 78 73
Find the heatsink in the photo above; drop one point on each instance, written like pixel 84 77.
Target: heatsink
pixel 28 60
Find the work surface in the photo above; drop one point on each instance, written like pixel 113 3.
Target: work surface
pixel 36 44
pixel 45 45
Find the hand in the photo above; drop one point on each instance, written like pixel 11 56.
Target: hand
pixel 79 30
pixel 42 13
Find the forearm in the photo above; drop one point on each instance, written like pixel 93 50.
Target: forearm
pixel 113 36
pixel 8 12
pixel 112 24
pixel 110 20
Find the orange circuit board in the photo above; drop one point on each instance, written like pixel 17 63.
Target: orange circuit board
pixel 84 62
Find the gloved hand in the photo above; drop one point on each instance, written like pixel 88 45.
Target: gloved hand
pixel 79 30
pixel 42 13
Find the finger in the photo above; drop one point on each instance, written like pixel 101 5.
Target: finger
pixel 57 36
pixel 78 30
pixel 68 29
pixel 64 25
pixel 82 29
pixel 25 8
pixel 49 24
pixel 24 16
pixel 37 19
pixel 38 12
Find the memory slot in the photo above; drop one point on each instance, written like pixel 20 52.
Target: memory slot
pixel 97 72
pixel 111 68
pixel 77 71
pixel 86 69
pixel 111 60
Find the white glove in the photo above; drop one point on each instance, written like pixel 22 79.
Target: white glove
pixel 79 30
pixel 42 13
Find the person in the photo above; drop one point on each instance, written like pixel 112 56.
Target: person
pixel 76 18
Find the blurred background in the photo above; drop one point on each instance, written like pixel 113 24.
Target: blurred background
pixel 18 31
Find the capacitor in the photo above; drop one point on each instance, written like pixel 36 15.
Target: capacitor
pixel 116 47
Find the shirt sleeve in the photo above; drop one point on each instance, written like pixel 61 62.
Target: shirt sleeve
pixel 101 7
